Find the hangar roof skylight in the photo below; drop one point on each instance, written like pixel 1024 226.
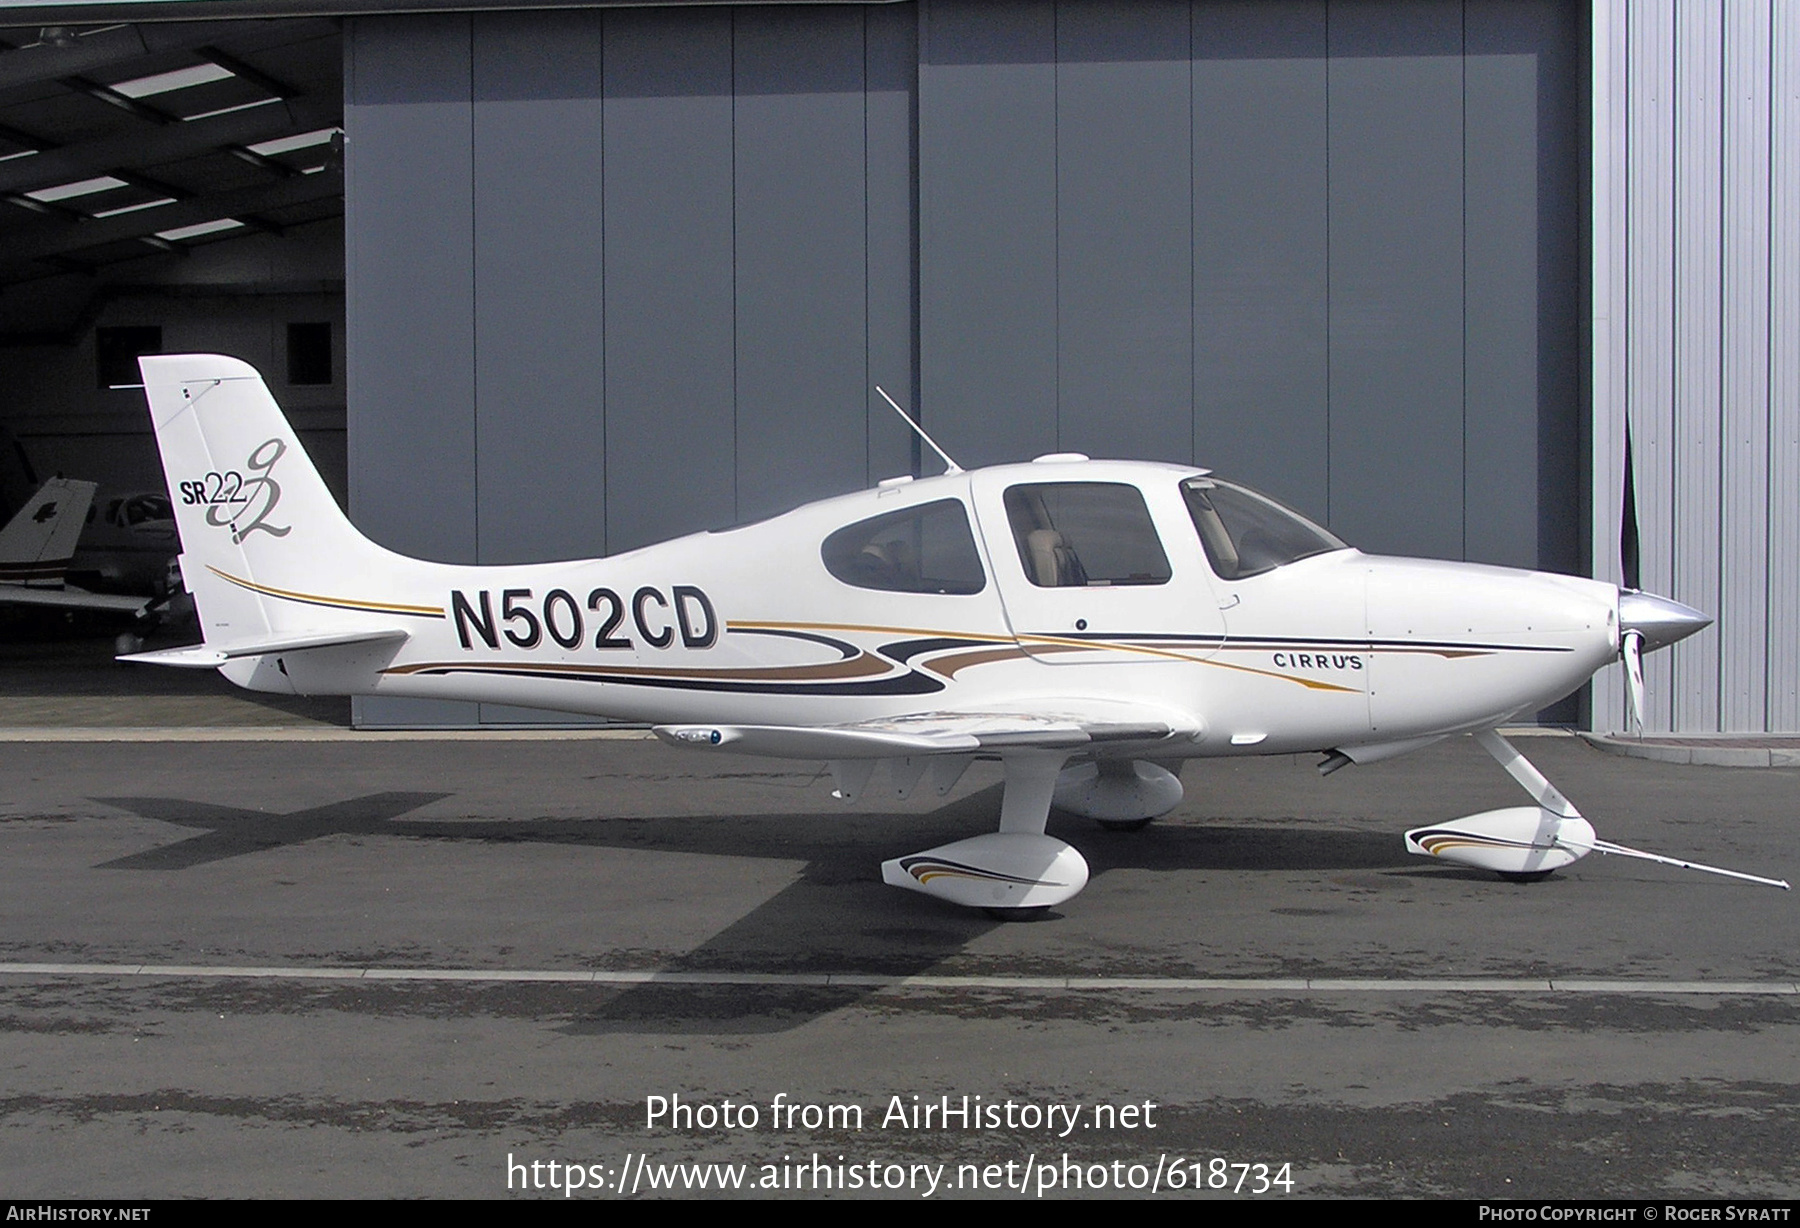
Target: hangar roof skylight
pixel 124 142
pixel 198 229
pixel 179 79
pixel 81 187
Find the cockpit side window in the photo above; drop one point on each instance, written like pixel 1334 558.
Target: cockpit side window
pixel 1085 535
pixel 923 549
pixel 140 508
pixel 1246 534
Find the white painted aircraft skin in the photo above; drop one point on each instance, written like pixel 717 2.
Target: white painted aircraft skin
pixel 743 640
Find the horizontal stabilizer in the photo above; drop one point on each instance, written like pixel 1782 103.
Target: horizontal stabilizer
pixel 71 599
pixel 197 656
pixel 211 656
pixel 927 733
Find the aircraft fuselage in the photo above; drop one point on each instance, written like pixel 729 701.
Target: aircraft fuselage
pixel 751 624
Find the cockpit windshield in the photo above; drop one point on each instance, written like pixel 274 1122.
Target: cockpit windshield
pixel 1246 534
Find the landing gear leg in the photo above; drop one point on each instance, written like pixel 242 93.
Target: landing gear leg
pixel 1030 784
pixel 1525 772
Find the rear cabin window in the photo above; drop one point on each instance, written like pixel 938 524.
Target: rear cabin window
pixel 1085 535
pixel 923 549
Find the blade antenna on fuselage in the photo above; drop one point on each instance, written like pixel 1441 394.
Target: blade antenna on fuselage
pixel 952 466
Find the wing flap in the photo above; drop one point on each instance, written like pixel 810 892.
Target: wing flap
pixel 799 742
pixel 939 733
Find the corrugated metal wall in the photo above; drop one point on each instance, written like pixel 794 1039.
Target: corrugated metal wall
pixel 1696 249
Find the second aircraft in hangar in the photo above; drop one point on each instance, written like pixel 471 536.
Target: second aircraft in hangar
pixel 1089 623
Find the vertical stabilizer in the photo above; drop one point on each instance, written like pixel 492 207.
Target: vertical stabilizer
pixel 37 543
pixel 265 547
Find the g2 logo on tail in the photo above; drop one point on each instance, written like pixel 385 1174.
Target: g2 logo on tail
pixel 241 503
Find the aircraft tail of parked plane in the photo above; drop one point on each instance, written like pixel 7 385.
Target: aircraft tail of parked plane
pixel 1089 624
pixel 37 544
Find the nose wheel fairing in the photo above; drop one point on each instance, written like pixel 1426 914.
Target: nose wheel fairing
pixel 1528 842
pixel 1517 840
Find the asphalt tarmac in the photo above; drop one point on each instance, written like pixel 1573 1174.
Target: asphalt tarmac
pixel 1621 1030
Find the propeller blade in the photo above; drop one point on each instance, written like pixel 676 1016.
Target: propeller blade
pixel 1628 521
pixel 1631 649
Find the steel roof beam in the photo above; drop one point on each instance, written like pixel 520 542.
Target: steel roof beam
pixel 112 98
pixel 38 62
pixel 42 243
pixel 53 12
pixel 154 147
pixel 247 72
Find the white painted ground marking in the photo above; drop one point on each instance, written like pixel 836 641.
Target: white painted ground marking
pixel 859 980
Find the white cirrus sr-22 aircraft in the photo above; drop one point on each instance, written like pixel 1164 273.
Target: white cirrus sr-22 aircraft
pixel 1088 623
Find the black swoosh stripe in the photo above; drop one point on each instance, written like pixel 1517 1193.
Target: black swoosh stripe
pixel 909 683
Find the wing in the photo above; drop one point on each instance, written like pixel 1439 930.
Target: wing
pixel 933 748
pixel 1072 724
pixel 70 599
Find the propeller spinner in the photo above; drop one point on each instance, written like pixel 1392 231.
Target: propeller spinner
pixel 1648 622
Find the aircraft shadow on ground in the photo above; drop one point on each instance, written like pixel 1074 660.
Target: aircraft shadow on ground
pixel 842 848
pixel 231 832
pixel 836 916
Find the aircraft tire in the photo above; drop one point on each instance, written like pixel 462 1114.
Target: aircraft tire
pixel 1524 876
pixel 1124 824
pixel 1018 914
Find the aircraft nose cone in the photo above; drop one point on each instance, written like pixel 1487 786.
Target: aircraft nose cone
pixel 1659 620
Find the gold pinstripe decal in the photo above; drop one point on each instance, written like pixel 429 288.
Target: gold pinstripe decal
pixel 336 603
